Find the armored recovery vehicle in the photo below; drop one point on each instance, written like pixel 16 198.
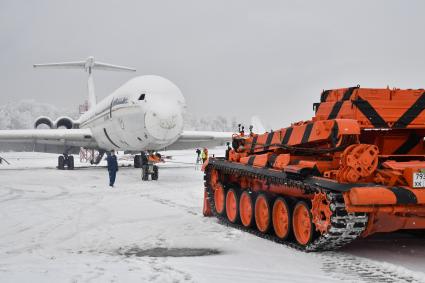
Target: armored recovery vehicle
pixel 355 169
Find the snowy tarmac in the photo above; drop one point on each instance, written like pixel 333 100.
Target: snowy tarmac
pixel 69 226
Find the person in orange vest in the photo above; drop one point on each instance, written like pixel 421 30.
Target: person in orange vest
pixel 204 154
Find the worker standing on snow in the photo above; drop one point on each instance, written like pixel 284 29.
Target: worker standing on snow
pixel 112 167
pixel 198 159
pixel 204 154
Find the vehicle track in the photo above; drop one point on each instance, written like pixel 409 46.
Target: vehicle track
pixel 335 264
pixel 345 227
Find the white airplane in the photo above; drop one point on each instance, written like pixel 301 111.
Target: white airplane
pixel 143 115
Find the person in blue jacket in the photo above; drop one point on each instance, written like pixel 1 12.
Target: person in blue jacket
pixel 112 167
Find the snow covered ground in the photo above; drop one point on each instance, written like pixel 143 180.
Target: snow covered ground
pixel 69 226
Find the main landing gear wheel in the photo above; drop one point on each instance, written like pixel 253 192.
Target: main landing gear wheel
pixel 61 162
pixel 246 209
pixel 232 207
pixel 281 216
pixel 262 213
pixel 66 161
pixel 70 162
pixel 219 198
pixel 302 222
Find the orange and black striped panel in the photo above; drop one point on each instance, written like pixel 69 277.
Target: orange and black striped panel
pixel 308 132
pixel 380 108
pixel 386 196
pixel 259 160
pixel 271 160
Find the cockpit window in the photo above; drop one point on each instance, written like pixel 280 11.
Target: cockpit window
pixel 142 96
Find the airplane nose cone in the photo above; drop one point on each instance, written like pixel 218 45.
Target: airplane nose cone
pixel 163 126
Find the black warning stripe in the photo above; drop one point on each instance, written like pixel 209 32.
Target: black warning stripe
pixel 316 106
pixel 271 160
pixel 409 144
pixel 335 110
pixel 251 160
pixel 287 135
pixel 302 171
pixel 411 113
pixel 403 195
pixel 333 136
pixel 268 140
pixel 107 136
pixel 254 142
pixel 370 113
pixel 315 171
pixel 324 95
pixel 307 133
pixel 349 92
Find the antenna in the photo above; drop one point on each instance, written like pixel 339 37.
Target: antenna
pixel 88 65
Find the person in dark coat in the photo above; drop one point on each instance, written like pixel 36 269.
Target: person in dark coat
pixel 112 167
pixel 198 156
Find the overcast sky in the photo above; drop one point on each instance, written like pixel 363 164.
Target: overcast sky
pixel 230 58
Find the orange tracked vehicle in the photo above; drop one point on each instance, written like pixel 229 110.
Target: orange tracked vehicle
pixel 355 169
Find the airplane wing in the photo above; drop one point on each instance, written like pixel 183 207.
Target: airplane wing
pixel 46 140
pixel 193 139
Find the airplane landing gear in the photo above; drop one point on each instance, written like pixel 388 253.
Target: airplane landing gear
pixel 138 161
pixel 67 161
pixel 150 169
pixel 147 163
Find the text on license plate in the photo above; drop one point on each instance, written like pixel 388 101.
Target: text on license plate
pixel 419 180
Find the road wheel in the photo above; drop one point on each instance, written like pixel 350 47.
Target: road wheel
pixel 262 213
pixel 281 216
pixel 232 207
pixel 246 209
pixel 302 222
pixel 61 162
pixel 219 197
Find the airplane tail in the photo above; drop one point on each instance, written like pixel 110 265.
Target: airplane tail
pixel 89 65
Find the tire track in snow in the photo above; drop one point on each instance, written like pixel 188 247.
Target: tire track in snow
pixel 173 204
pixel 338 265
pixel 163 272
pixel 356 269
pixel 11 194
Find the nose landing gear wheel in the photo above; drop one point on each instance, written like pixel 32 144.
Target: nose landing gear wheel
pixel 281 215
pixel 137 161
pixel 145 173
pixel 155 173
pixel 302 222
pixel 246 209
pixel 262 213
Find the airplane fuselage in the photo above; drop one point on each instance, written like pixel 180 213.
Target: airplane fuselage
pixel 145 113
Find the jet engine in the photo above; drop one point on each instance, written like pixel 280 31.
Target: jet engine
pixel 64 122
pixel 43 120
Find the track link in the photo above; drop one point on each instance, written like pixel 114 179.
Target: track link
pixel 345 227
